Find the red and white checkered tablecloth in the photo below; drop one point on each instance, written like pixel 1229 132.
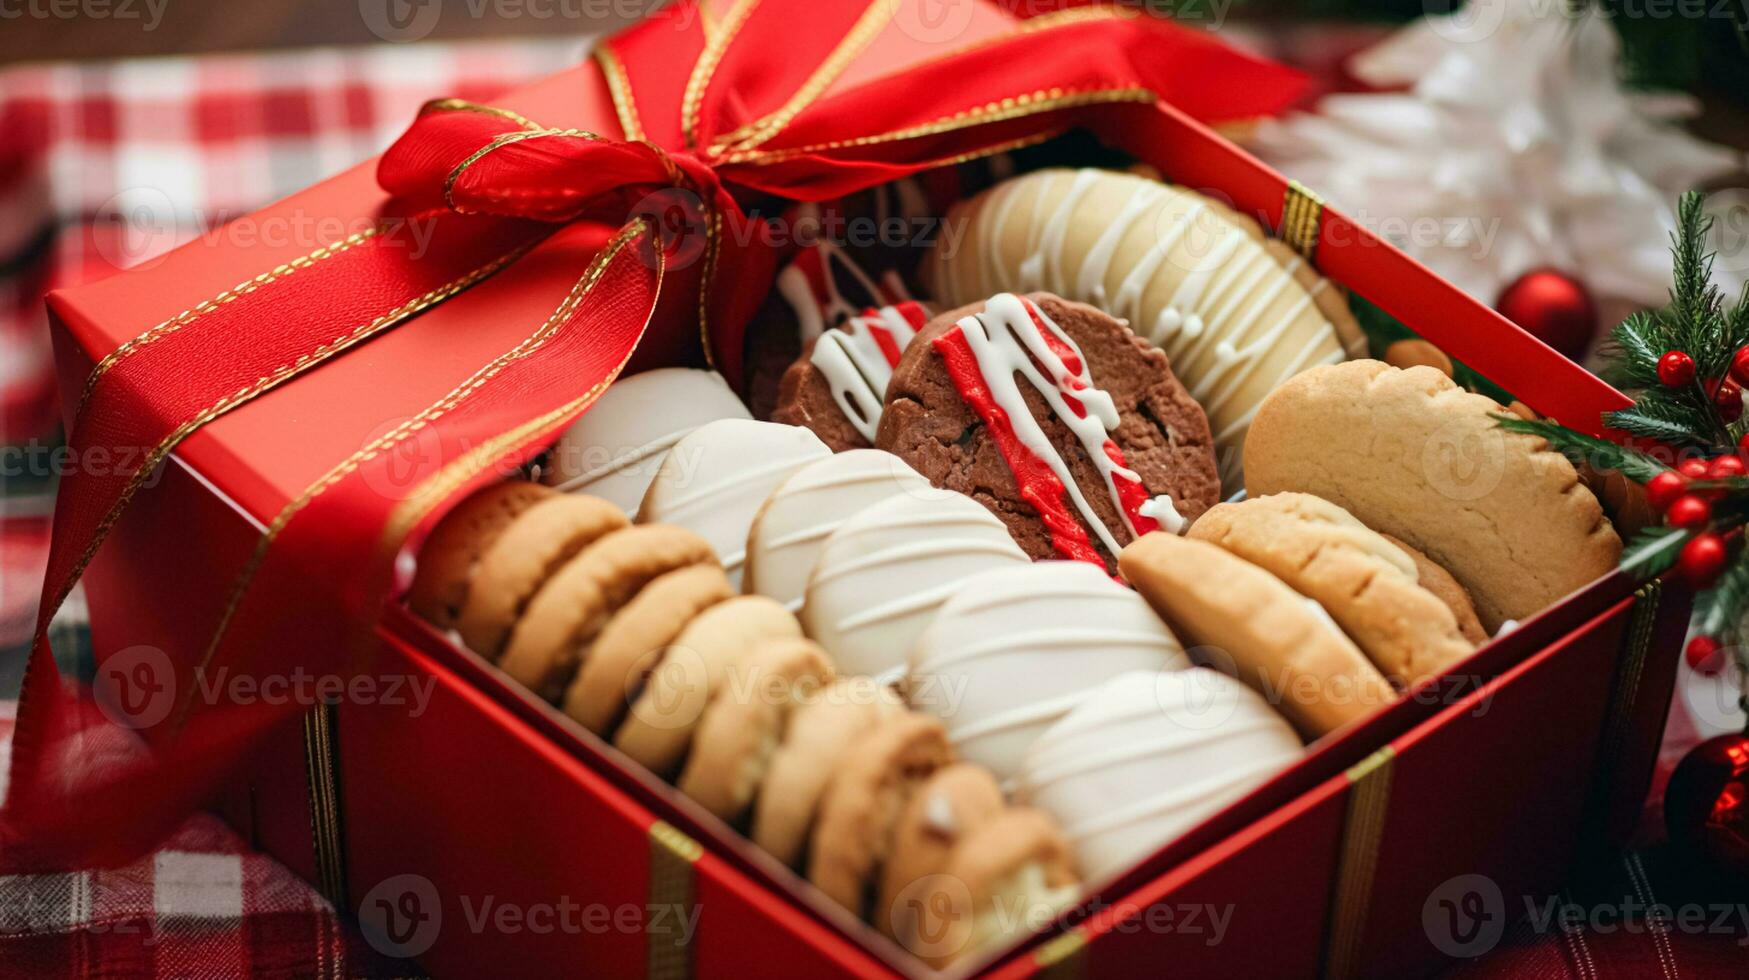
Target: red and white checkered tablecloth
pixel 104 166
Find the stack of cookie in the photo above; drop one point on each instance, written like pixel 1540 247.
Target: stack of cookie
pixel 637 632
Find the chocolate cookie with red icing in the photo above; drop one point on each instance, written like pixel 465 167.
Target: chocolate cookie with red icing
pixel 1058 419
pixel 838 385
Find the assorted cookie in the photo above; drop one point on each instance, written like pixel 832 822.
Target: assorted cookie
pixel 920 630
pixel 1237 312
pixel 1057 419
pixel 614 450
pixel 1412 455
pixel 1018 647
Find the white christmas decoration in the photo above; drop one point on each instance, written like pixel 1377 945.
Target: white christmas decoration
pixel 1514 146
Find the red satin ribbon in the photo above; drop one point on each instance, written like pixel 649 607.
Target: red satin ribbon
pixel 316 586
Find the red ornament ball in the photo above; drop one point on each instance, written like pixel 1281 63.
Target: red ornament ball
pixel 1724 468
pixel 1554 307
pixel 1728 399
pixel 1663 489
pixel 1743 445
pixel 1689 512
pixel 1675 369
pixel 1694 469
pixel 1705 654
pixel 1740 365
pixel 1702 558
pixel 1706 804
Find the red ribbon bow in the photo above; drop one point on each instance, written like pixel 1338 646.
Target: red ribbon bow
pixel 777 101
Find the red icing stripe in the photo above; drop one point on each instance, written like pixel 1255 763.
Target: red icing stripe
pixel 1131 495
pixel 914 313
pixel 1039 485
pixel 883 338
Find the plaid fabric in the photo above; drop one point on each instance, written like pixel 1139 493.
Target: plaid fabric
pixel 202 906
pixel 105 166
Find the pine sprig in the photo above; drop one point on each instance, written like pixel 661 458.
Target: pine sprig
pixel 1652 551
pixel 1631 353
pixel 1586 451
pixel 1667 416
pixel 1718 610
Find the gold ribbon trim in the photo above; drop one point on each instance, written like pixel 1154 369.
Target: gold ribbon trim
pixel 672 855
pixel 1369 798
pixel 327 825
pixel 619 89
pixel 1301 213
pixel 716 43
pixel 1060 959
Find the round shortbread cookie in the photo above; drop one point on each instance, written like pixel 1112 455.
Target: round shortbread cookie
pixel 883 574
pixel 452 551
pixel 1368 585
pixel 563 619
pixel 658 729
pixel 1234 313
pixel 1008 877
pixel 1411 454
pixel 853 836
pixel 627 647
pixel 1248 622
pixel 1017 647
pixel 522 558
pixel 820 732
pixel 715 479
pixel 1149 756
pixel 744 723
pixel 955 801
pixel 794 522
pixel 1438 581
pixel 614 450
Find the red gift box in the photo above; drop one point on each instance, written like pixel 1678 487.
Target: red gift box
pixel 531 842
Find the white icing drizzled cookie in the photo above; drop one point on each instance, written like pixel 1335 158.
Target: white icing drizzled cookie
pixel 1147 757
pixel 1235 316
pixel 713 481
pixel 792 527
pixel 1015 649
pixel 883 574
pixel 615 449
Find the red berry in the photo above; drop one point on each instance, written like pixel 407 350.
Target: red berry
pixel 1689 512
pixel 1740 365
pixel 1724 468
pixel 1663 489
pixel 1702 559
pixel 1705 654
pixel 1728 399
pixel 1694 469
pixel 1743 445
pixel 1675 368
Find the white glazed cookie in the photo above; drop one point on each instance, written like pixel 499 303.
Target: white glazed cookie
pixel 615 448
pixel 1148 756
pixel 1235 314
pixel 792 526
pixel 1414 456
pixel 1016 648
pixel 715 479
pixel 883 574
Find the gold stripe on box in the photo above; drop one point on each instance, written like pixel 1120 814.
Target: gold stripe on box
pixel 1368 801
pixel 1301 213
pixel 322 767
pixel 672 855
pixel 1619 713
pixel 1060 959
